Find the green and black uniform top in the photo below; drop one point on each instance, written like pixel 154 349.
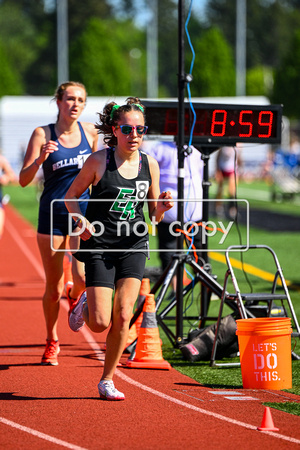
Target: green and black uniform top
pixel 116 208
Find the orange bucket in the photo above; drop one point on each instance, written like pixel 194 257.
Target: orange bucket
pixel 265 352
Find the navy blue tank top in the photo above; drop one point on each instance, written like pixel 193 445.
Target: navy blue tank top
pixel 60 169
pixel 121 216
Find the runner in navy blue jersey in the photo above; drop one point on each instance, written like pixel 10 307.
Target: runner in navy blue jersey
pixel 61 149
pixel 114 236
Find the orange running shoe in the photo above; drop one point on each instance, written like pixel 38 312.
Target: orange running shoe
pixel 49 357
pixel 71 300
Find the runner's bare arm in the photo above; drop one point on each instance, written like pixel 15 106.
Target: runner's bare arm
pixel 8 175
pixel 38 150
pixel 157 208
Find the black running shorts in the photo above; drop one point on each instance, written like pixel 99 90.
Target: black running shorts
pixel 107 268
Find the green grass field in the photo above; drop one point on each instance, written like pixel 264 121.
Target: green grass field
pixel 285 244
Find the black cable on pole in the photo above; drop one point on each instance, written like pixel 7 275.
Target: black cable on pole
pixel 180 187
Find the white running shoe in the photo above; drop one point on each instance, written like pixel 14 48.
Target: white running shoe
pixel 76 313
pixel 107 391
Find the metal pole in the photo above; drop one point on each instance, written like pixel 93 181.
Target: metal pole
pixel 180 145
pixel 152 52
pixel 241 29
pixel 62 41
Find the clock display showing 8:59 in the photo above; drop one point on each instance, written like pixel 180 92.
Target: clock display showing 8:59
pixel 217 123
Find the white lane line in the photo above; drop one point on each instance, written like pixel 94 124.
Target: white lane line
pixel 226 393
pixel 240 398
pixel 94 345
pixel 40 435
pixel 24 248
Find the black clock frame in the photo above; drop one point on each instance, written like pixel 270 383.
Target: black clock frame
pixel 162 121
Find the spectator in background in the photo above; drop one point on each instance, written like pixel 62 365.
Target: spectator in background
pixel 294 144
pixel 228 161
pixel 61 148
pixel 7 176
pixel 166 154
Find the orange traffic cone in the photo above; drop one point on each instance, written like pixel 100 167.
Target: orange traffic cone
pixel 148 353
pixel 186 279
pixel 144 290
pixel 132 336
pixel 135 328
pixel 267 423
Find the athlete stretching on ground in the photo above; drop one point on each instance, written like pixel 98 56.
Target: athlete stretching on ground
pixel 115 249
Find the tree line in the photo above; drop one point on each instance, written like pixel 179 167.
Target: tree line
pixel 107 48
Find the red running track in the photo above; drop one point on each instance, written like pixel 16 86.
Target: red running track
pixel 58 407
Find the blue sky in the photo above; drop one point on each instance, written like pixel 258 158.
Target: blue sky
pixel 142 18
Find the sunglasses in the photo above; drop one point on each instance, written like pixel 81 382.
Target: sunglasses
pixel 127 129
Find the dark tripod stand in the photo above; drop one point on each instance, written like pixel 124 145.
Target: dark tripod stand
pixel 176 266
pixel 179 259
pixel 203 275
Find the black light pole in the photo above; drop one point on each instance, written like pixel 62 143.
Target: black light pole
pixel 180 187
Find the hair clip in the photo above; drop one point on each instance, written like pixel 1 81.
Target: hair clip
pixel 139 106
pixel 113 110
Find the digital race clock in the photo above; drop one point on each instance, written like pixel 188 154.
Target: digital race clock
pixel 217 123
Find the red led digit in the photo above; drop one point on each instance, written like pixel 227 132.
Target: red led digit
pixel 200 124
pixel 249 124
pixel 268 123
pixel 216 123
pixel 171 121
